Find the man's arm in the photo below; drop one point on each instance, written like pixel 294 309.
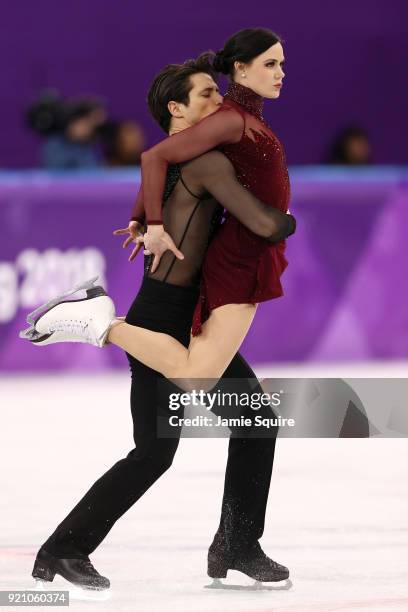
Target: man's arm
pixel 214 173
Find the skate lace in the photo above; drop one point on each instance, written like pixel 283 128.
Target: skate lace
pixel 72 326
pixel 87 565
pixel 260 554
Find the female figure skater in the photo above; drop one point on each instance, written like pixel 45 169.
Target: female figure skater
pixel 240 269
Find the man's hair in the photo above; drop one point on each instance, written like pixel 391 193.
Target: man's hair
pixel 173 83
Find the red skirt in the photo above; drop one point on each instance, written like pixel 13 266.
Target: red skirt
pixel 239 268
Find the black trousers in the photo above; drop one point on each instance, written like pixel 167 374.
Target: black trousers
pixel 169 308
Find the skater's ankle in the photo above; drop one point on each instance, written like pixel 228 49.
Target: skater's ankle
pixel 63 554
pixel 116 323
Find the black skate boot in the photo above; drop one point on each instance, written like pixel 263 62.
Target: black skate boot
pixel 255 564
pixel 80 572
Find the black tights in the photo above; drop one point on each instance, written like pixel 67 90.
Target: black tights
pixel 169 308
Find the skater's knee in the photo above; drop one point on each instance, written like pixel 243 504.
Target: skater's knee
pixel 166 462
pixel 162 457
pixel 198 377
pixel 156 456
pixel 162 461
pixel 208 370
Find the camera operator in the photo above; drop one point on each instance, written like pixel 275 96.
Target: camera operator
pixel 69 129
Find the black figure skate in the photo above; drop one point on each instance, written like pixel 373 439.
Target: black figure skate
pixel 256 564
pixel 79 572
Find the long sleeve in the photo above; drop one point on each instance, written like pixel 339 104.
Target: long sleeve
pixel 214 173
pixel 138 211
pixel 222 127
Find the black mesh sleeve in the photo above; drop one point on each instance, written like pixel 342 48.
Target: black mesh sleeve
pixel 214 173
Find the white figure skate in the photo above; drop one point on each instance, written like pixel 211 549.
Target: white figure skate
pixel 82 320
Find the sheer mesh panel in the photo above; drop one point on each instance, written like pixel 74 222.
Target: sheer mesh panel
pixel 191 222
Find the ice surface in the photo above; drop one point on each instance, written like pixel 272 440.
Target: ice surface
pixel 337 513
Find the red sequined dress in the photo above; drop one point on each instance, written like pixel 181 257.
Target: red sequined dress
pixel 239 267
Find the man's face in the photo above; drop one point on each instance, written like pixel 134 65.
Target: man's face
pixel 204 98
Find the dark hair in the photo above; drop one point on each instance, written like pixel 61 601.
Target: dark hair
pixel 173 83
pixel 244 46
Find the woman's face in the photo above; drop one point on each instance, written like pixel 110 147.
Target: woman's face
pixel 264 74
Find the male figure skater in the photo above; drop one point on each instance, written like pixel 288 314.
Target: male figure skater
pixel 180 96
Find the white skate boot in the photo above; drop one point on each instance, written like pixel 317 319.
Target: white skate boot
pixel 83 320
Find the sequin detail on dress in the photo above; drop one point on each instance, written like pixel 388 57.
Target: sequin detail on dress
pixel 246 98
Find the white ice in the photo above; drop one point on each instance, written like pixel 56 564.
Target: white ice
pixel 337 513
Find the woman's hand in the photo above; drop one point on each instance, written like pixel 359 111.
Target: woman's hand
pixel 135 231
pixel 157 242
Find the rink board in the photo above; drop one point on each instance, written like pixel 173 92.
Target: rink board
pixel 345 292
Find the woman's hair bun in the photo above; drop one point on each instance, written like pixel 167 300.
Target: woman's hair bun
pixel 244 46
pixel 221 63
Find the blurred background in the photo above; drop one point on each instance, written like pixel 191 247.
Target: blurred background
pixel 74 121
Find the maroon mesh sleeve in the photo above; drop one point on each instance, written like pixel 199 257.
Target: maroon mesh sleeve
pixel 222 127
pixel 138 212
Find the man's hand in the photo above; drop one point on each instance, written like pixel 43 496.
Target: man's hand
pixel 135 231
pixel 157 242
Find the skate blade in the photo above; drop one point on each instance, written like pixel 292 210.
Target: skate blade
pixel 42 585
pixel 77 593
pixel 30 333
pixel 256 586
pixel 89 594
pixel 33 316
pixel 33 336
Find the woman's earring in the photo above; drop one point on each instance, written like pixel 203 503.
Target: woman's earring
pixel 243 75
